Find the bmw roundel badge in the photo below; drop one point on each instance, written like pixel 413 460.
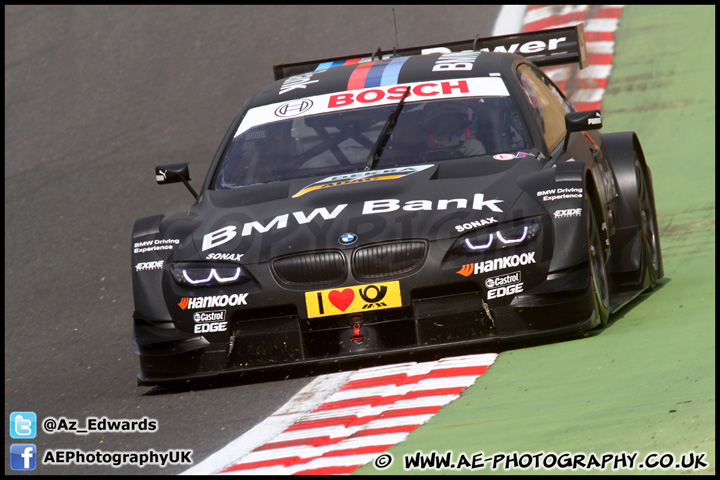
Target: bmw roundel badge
pixel 348 238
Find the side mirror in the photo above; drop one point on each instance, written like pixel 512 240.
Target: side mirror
pixel 174 173
pixel 580 122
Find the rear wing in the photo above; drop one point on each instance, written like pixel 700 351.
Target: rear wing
pixel 557 46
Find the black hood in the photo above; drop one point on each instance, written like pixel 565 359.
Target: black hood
pixel 420 202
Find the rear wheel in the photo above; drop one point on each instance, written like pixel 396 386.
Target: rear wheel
pixel 648 227
pixel 598 267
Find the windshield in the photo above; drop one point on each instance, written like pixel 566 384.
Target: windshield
pixel 339 142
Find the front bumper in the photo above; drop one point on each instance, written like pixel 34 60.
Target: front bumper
pixel 443 320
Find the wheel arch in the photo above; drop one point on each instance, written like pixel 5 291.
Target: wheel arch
pixel 623 149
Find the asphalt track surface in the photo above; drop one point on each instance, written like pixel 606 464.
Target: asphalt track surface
pixel 95 97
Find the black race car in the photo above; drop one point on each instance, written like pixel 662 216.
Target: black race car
pixel 400 201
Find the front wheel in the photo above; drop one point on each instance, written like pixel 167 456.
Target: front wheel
pixel 598 267
pixel 648 228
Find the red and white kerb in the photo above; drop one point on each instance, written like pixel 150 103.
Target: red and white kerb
pixel 587 85
pixel 374 410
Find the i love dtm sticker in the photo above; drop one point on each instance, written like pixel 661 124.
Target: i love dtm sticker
pixel 358 298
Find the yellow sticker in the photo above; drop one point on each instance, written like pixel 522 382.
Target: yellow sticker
pixel 318 186
pixel 360 177
pixel 358 298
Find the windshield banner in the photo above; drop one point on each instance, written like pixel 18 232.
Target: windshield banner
pixel 373 97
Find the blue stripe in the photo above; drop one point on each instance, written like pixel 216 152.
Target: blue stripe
pixel 381 74
pixel 392 72
pixel 375 75
pixel 326 65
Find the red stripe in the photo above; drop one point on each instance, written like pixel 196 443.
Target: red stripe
pixel 355 421
pixel 592 82
pixel 350 402
pixel 357 77
pixel 402 379
pixel 325 440
pixel 272 462
pixel 368 432
pixel 457 371
pixel 340 470
pixel 374 401
pixel 390 380
pixel 552 21
pixel 543 24
pixel 599 36
pixel 287 461
pixel 561 85
pixel 325 422
pixel 345 469
pixel 357 451
pixel 573 17
pixel 434 392
pixel 608 12
pixel 581 106
pixel 389 400
pixel 378 400
pixel 600 59
pixel 346 421
pixel 375 382
pixel 407 412
pixel 310 441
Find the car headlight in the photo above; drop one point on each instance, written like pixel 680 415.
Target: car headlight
pixel 205 274
pixel 505 235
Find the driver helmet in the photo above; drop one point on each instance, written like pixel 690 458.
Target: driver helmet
pixel 448 123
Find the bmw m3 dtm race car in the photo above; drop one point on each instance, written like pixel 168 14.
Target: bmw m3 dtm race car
pixel 396 202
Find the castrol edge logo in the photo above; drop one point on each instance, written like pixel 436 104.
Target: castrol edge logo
pixel 372 97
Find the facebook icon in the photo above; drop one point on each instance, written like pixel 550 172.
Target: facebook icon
pixel 23 456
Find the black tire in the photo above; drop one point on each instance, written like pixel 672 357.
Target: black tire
pixel 648 227
pixel 598 265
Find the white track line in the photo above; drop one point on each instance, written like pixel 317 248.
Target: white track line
pixel 306 400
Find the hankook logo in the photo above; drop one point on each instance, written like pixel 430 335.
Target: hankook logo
pixel 294 108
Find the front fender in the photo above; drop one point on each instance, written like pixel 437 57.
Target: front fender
pixel 560 191
pixel 623 150
pixel 154 240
